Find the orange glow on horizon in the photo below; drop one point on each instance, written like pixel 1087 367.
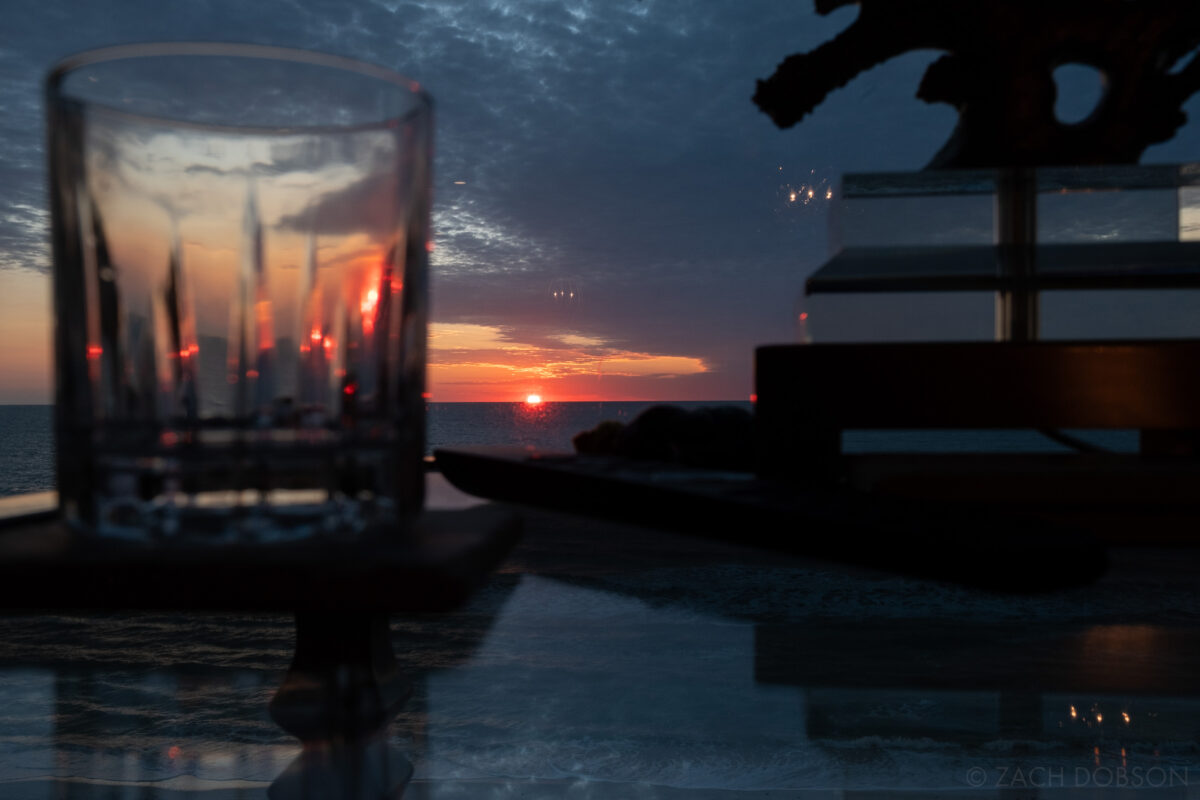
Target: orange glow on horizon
pixel 533 399
pixel 25 328
pixel 474 362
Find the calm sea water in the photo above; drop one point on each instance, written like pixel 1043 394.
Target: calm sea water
pixel 27 432
pixel 26 449
pixel 27 438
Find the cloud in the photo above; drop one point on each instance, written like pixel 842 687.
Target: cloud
pixel 367 205
pixel 465 354
pixel 471 243
pixel 606 144
pixel 609 145
pixel 24 231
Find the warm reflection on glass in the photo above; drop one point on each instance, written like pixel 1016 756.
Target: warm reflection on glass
pixel 603 662
pixel 240 285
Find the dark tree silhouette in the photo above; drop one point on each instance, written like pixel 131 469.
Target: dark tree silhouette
pixel 998 72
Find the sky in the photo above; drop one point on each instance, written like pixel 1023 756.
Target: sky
pixel 613 217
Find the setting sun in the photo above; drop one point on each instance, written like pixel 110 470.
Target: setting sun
pixel 533 399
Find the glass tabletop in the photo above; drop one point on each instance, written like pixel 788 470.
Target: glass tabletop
pixel 602 661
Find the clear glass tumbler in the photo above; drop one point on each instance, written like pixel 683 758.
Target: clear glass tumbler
pixel 240 260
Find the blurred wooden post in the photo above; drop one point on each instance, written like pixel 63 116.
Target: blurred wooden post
pixel 1016 238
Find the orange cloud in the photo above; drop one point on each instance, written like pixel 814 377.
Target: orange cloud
pixel 478 362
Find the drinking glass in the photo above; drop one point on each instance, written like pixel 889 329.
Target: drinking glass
pixel 240 256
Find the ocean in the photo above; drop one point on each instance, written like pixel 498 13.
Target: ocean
pixel 26 449
pixel 27 434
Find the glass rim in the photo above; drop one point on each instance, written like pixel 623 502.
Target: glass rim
pixel 423 102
